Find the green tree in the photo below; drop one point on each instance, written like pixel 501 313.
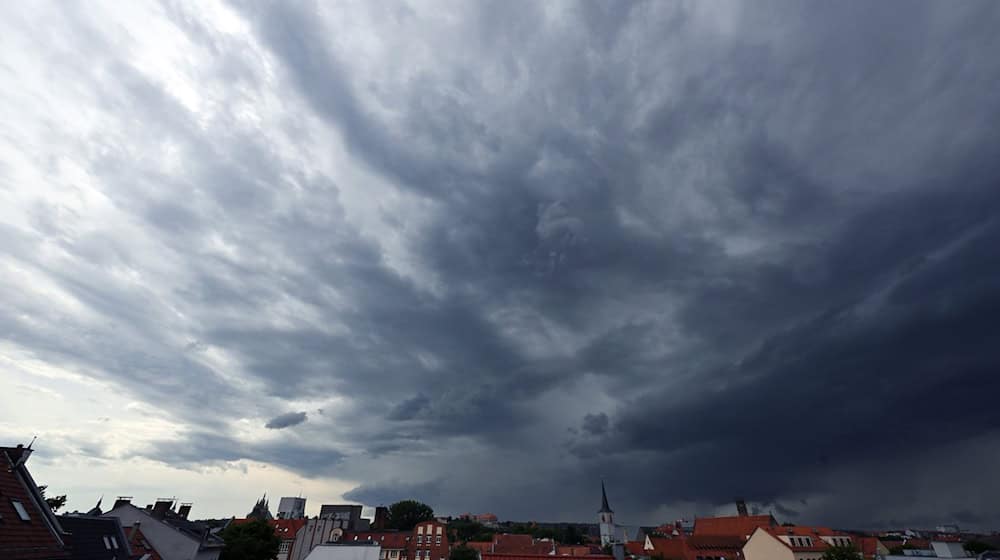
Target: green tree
pixel 463 553
pixel 255 540
pixel 571 535
pixel 841 553
pixel 55 502
pixel 405 515
pixel 975 547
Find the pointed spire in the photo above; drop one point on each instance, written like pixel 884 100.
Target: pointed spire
pixel 605 508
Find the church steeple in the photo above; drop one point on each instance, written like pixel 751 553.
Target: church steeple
pixel 606 519
pixel 605 508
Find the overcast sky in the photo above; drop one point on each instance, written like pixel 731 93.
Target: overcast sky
pixel 483 254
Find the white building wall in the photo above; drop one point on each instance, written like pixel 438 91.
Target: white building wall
pixel 345 552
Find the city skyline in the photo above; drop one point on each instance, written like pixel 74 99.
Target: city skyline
pixel 484 254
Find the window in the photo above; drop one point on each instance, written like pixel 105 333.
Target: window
pixel 114 543
pixel 439 529
pixel 107 543
pixel 21 512
pixel 420 538
pixel 285 546
pixel 420 530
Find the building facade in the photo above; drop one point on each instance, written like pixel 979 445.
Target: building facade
pixel 291 508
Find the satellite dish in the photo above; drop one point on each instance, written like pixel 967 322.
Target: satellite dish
pixel 336 534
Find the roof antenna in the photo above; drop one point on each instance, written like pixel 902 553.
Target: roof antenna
pixel 32 441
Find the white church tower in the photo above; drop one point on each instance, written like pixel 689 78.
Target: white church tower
pixel 606 519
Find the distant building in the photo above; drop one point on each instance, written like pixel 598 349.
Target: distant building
pixel 261 510
pixel 28 528
pixel 169 533
pixel 381 518
pixel 314 533
pixel 292 508
pixel 348 515
pixel 429 542
pixel 936 549
pixel 793 543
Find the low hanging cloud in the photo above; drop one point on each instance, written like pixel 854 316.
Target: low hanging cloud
pixel 286 420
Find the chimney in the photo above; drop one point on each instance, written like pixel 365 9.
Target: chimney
pixel 381 516
pixel 161 507
pixel 122 500
pixel 741 508
pixel 184 510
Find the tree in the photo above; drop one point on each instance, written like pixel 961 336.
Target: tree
pixel 255 540
pixel 841 553
pixel 463 553
pixel 571 536
pixel 406 514
pixel 976 548
pixel 55 502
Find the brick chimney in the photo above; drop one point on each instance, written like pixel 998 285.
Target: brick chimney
pixel 161 507
pixel 381 517
pixel 122 500
pixel 741 508
pixel 184 510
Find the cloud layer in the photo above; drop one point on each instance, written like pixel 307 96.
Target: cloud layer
pixel 496 251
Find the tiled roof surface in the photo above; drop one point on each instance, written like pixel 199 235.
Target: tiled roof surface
pixel 87 534
pixel 140 546
pixel 715 542
pixel 386 539
pixel 22 540
pixel 581 549
pixel 735 525
pixel 496 556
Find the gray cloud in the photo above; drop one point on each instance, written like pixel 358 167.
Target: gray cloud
pixel 739 233
pixel 285 420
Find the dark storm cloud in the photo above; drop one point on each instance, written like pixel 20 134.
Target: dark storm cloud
pixel 596 424
pixel 387 493
pixel 752 249
pixel 202 448
pixel 286 420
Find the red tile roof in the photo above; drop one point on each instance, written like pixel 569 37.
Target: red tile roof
pixel 139 545
pixel 24 540
pixel 496 556
pixel 636 548
pixel 669 549
pixel 386 539
pixel 480 546
pixel 742 526
pixel 578 550
pixel 506 543
pixel 867 545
